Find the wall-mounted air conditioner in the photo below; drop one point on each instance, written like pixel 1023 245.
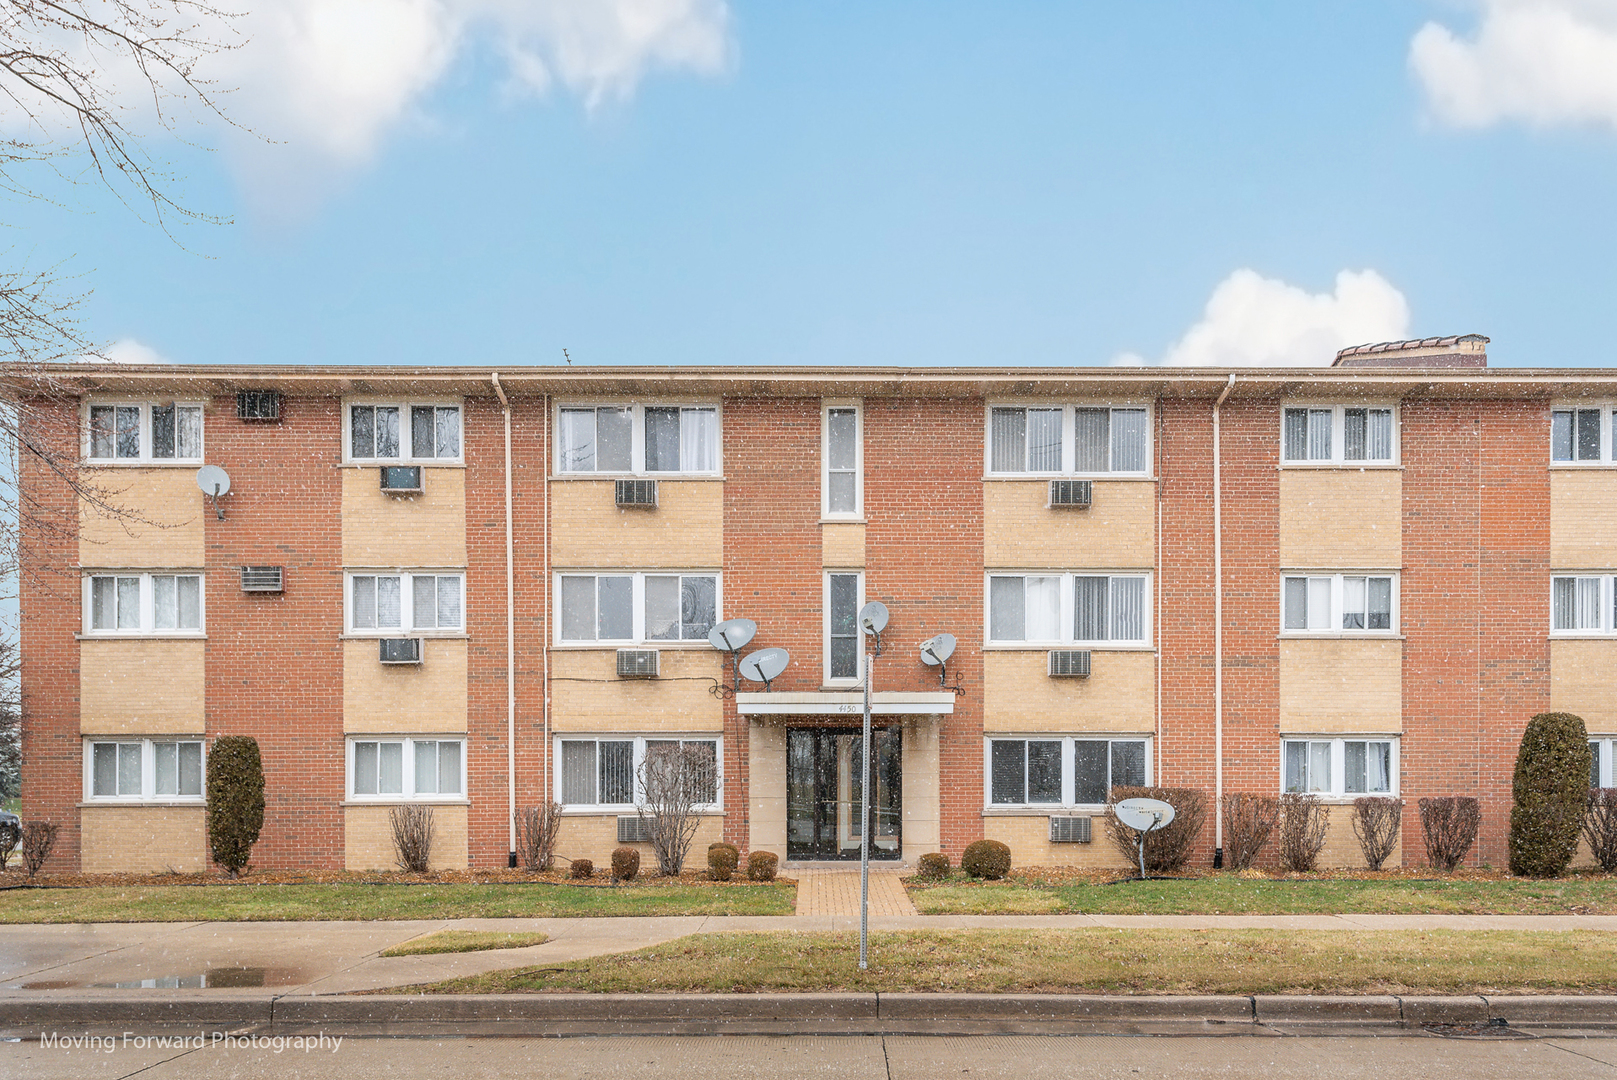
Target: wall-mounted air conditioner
pixel 637 494
pixel 1069 494
pixel 1070 830
pixel 1069 663
pixel 261 579
pixel 401 650
pixel 634 830
pixel 264 405
pixel 401 479
pixel 637 663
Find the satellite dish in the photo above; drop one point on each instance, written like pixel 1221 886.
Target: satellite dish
pixel 937 650
pixel 873 617
pixel 213 480
pixel 765 665
pixel 732 634
pixel 1143 815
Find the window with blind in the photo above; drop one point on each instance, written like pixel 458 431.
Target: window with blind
pixel 1582 604
pixel 133 433
pixel 1338 767
pixel 1068 440
pixel 1356 435
pixel 1602 773
pixel 637 439
pixel 403 431
pixel 1058 771
pixel 1068 609
pixel 407 768
pixel 143 769
pixel 135 604
pixel 607 771
pixel 1338 603
pixel 633 608
pixel 406 603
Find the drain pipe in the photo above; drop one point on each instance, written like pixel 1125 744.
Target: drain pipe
pixel 510 640
pixel 1218 636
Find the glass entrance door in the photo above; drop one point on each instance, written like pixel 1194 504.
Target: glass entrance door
pixel 823 775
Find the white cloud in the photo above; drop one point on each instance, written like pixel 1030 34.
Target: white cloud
pixel 1545 62
pixel 126 351
pixel 1254 321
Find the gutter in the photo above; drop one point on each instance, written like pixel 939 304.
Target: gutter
pixel 1218 635
pixel 510 640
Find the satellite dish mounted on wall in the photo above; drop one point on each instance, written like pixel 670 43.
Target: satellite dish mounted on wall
pixel 214 482
pixel 935 652
pixel 873 620
pixel 732 636
pixel 1144 815
pixel 765 665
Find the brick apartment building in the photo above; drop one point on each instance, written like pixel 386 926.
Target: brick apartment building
pixel 1348 580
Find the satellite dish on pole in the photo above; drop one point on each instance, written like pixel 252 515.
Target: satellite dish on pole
pixel 765 665
pixel 1144 815
pixel 935 652
pixel 214 482
pixel 873 620
pixel 731 636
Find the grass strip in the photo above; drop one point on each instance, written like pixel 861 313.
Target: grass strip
pixel 1088 961
pixel 457 941
pixel 1229 895
pixel 301 903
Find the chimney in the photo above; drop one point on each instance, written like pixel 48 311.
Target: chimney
pixel 1461 351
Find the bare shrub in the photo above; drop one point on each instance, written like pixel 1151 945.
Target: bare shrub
pixel 10 837
pixel 1303 826
pixel 761 865
pixel 1166 849
pixel 1599 827
pixel 581 870
pixel 38 837
pixel 412 837
pixel 678 780
pixel 1450 824
pixel 1249 821
pixel 1377 824
pixel 625 863
pixel 537 827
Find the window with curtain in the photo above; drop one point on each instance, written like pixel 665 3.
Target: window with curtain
pixel 403 431
pixel 142 603
pixel 405 603
pixel 1339 434
pixel 1339 767
pixel 407 768
pixel 637 439
pixel 1105 608
pixel 1338 603
pixel 148 769
pixel 1582 604
pixel 638 607
pixel 136 432
pixel 606 771
pixel 1067 439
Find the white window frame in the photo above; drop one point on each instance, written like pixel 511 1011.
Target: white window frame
pixel 1338 592
pixel 1069 774
pixel 1337 790
pixel 825 629
pixel 637 440
pixel 148 769
pixel 1606 604
pixel 408 753
pixel 406 442
pixel 1069 453
pixel 1067 623
pixel 640 740
pixel 406 603
pixel 1608 447
pixel 148 608
pixel 858 511
pixel 638 605
pixel 1607 773
pixel 145 405
pixel 1338 437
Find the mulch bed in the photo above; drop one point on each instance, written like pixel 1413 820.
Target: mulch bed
pixel 14 876
pixel 1044 876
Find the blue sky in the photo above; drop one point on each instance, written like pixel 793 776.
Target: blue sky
pixel 694 182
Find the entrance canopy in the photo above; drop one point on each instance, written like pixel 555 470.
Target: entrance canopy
pixel 846 703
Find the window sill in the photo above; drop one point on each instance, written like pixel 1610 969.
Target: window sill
pixel 1341 635
pixel 1344 466
pixel 429 463
pixel 636 476
pixel 628 810
pixel 187 463
pixel 1066 646
pixel 1052 810
pixel 141 637
pixel 612 646
pixel 1575 465
pixel 1122 478
pixel 399 800
pixel 144 804
pixel 1582 635
pixel 424 635
pixel 860 520
pixel 1346 800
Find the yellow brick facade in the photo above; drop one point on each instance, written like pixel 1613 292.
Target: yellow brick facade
pixel 684 532
pixel 594 836
pixel 1583 519
pixel 383 698
pixel 1341 686
pixel 1340 519
pixel 144 839
pixel 368 838
pixel 1117 532
pixel 1583 680
pixel 168 533
pixel 141 687
pixel 1028 837
pixel 1118 696
pixel 382 530
pixel 587 695
pixel 842 545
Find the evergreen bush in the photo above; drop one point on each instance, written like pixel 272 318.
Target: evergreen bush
pixel 986 859
pixel 1549 795
pixel 235 800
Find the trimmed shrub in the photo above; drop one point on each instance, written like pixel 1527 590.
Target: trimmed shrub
pixel 581 870
pixel 1449 824
pixel 412 837
pixel 537 827
pixel 1599 827
pixel 10 837
pixel 235 800
pixel 38 837
pixel 761 865
pixel 1377 823
pixel 1167 849
pixel 986 859
pixel 1249 821
pixel 722 860
pixel 1549 795
pixel 1303 826
pixel 625 863
pixel 933 866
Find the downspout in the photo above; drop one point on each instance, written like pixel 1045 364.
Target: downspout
pixel 544 730
pixel 1156 615
pixel 510 639
pixel 1218 636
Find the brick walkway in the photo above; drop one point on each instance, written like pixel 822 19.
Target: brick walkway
pixel 836 892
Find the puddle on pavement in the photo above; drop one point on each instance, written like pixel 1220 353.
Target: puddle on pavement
pixel 213 978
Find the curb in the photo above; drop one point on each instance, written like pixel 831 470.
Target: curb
pixel 33 1015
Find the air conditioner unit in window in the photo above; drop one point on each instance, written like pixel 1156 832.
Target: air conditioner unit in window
pixel 637 494
pixel 1069 494
pixel 401 650
pixel 1069 830
pixel 261 579
pixel 637 663
pixel 258 405
pixel 634 830
pixel 1069 663
pixel 401 479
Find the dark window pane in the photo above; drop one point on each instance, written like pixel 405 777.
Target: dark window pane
pixel 1007 765
pixel 1089 761
pixel 617 772
pixel 362 431
pixel 662 440
pixel 387 431
pixel 1091 439
pixel 616 614
pixel 1353 434
pixel 1008 441
pixel 423 431
pixel 128 431
pixel 162 431
pixel 1561 435
pixel 698 608
pixel 1296 435
pixel 101 431
pixel 844 658
pixel 1588 434
pixel 1128 764
pixel 1044 772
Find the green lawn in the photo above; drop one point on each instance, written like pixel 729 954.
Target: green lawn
pixel 1088 961
pixel 251 903
pixel 1230 895
pixel 458 941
